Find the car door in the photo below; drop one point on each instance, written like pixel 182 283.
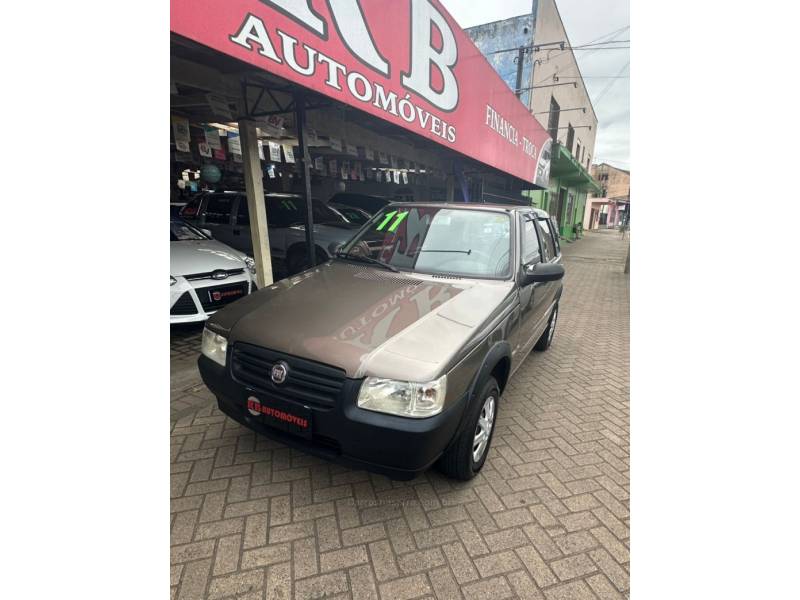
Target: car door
pixel 532 297
pixel 550 254
pixel 217 217
pixel 240 232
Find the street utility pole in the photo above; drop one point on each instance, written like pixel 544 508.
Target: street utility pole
pixel 520 62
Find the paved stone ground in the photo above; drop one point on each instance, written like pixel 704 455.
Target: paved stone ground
pixel 547 517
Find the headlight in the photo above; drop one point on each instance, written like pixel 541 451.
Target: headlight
pixel 251 264
pixel 404 398
pixel 172 280
pixel 214 346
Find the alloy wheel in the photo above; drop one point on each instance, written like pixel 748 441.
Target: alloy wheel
pixel 552 326
pixel 484 429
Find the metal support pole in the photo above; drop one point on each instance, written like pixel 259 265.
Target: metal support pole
pixel 305 169
pixel 256 205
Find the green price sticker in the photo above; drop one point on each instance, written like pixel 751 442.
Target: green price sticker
pixel 397 220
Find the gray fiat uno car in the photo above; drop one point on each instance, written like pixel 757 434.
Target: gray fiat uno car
pixel 393 355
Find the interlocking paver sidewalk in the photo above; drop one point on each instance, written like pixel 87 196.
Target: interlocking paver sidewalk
pixel 547 518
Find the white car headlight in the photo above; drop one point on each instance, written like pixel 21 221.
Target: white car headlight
pixel 403 398
pixel 214 346
pixel 251 264
pixel 172 280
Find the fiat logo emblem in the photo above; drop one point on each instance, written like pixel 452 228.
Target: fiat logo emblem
pixel 279 372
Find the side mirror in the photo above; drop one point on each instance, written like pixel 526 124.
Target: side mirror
pixel 207 232
pixel 542 273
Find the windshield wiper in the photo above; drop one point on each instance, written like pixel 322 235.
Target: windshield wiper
pixel 369 259
pixel 467 252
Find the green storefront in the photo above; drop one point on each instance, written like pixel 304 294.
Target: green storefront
pixel 565 198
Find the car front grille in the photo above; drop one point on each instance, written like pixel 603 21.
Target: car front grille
pixel 210 274
pixel 184 306
pixel 214 298
pixel 307 382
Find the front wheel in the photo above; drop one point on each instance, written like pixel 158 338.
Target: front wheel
pixel 467 454
pixel 547 337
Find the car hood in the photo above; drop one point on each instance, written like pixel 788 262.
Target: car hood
pixel 202 256
pixel 366 320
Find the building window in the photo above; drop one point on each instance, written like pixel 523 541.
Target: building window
pixel 552 120
pixel 578 152
pixel 570 136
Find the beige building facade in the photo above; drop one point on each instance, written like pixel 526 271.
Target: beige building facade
pixel 615 182
pixel 533 54
pixel 610 207
pixel 564 109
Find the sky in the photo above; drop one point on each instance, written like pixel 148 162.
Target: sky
pixel 585 21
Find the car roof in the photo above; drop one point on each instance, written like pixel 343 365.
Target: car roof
pixel 468 206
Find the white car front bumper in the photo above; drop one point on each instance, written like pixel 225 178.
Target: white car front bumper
pixel 194 301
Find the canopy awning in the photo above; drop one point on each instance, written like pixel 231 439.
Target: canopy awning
pixel 570 172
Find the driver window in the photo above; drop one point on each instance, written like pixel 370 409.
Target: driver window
pixel 530 241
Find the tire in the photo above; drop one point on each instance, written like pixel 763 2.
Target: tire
pixel 297 260
pixel 544 342
pixel 458 461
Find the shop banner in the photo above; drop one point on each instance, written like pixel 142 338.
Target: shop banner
pixel 382 158
pixel 406 62
pixel 368 153
pixel 204 149
pixel 212 137
pixel 351 149
pixel 234 143
pixel 275 152
pixel 272 126
pixel 180 130
pixel 261 150
pixel 335 143
pixel 288 152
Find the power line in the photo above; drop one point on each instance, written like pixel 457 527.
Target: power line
pixel 610 85
pixel 576 66
pixel 563 46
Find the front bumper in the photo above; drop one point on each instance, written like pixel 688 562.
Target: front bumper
pixel 397 447
pixel 186 305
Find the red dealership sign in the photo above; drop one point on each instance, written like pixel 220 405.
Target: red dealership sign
pixel 405 61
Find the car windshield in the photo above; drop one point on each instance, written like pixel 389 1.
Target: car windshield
pixel 289 211
pixel 180 231
pixel 434 240
pixel 352 214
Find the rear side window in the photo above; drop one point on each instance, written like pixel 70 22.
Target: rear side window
pixel 554 230
pixel 192 208
pixel 548 239
pixel 283 212
pixel 218 209
pixel 548 246
pixel 243 215
pixel 530 243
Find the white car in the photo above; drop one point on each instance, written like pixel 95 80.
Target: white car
pixel 205 274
